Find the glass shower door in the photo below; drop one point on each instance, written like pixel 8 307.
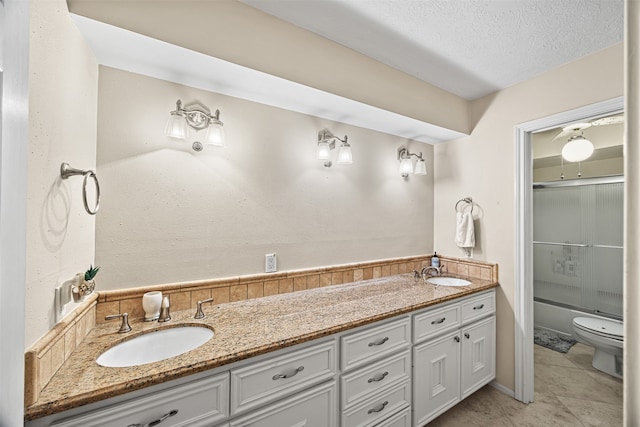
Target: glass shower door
pixel 577 253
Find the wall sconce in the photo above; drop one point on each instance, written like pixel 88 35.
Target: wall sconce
pixel 327 142
pixel 198 117
pixel 406 164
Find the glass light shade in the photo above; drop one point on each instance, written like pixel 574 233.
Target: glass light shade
pixel 324 151
pixel 406 166
pixel 577 150
pixel 215 135
pixel 344 155
pixel 176 127
pixel 421 167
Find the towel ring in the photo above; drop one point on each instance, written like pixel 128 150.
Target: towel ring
pixel 467 200
pixel 66 171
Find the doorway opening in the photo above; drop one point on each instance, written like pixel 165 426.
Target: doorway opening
pixel 523 292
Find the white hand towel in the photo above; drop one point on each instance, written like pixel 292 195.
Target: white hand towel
pixel 465 236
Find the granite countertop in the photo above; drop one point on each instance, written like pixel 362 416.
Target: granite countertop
pixel 242 329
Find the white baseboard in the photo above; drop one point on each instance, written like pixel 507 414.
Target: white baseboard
pixel 503 389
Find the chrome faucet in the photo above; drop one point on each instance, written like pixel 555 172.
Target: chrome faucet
pixel 437 270
pixel 199 312
pixel 124 327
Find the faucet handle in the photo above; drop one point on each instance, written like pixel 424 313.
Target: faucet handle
pixel 199 312
pixel 124 326
pixel 165 314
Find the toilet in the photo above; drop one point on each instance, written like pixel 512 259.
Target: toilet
pixel 607 338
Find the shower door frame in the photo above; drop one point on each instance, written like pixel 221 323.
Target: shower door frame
pixel 523 292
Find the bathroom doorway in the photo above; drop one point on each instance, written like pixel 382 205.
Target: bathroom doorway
pixel 524 291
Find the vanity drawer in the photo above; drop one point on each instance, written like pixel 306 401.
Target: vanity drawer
pixel 310 408
pixel 401 419
pixel 200 403
pixel 366 381
pixel 434 322
pixel 373 343
pixel 373 411
pixel 480 306
pixel 263 382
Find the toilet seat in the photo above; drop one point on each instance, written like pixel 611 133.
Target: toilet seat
pixel 601 327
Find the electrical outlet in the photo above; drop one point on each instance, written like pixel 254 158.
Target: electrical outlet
pixel 270 263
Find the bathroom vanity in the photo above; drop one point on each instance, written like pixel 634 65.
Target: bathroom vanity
pixel 382 352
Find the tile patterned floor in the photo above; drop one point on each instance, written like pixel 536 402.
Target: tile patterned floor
pixel 568 392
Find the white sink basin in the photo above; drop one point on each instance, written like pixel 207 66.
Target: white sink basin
pixel 155 346
pixel 448 281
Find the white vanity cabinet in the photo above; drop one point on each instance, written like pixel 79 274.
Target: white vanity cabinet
pixel 456 358
pixel 400 372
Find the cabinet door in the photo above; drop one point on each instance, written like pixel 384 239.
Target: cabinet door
pixel 478 355
pixel 436 377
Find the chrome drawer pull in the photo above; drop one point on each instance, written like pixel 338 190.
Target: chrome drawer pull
pixel 437 322
pixel 158 421
pixel 378 378
pixel 378 408
pixel 379 342
pixel 289 374
pixel 479 307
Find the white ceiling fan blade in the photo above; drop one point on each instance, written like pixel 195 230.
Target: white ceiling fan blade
pixel 613 120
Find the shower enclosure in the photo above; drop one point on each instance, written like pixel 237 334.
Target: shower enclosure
pixel 577 250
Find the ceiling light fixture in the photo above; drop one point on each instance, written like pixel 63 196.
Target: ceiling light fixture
pixel 578 149
pixel 406 163
pixel 198 117
pixel 327 142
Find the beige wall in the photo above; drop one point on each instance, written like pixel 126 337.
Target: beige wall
pixel 62 128
pixel 482 166
pixel 235 32
pixel 170 214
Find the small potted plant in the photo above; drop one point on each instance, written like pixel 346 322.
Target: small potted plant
pixel 84 284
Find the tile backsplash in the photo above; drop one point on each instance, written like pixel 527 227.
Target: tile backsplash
pixel 45 357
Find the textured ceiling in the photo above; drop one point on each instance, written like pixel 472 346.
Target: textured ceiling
pixel 467 47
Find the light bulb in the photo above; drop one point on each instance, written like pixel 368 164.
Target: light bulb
pixel 344 155
pixel 577 149
pixel 421 167
pixel 176 126
pixel 324 151
pixel 215 135
pixel 406 167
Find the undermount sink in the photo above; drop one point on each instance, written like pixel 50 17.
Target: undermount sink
pixel 448 281
pixel 155 346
